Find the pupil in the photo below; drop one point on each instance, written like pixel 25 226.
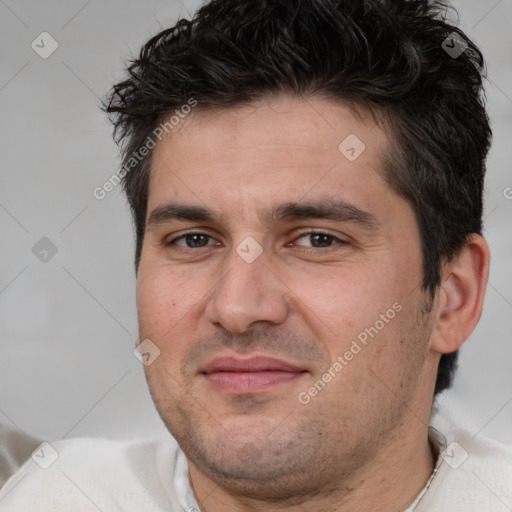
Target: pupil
pixel 195 240
pixel 320 240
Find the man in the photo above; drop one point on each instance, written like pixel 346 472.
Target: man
pixel 306 182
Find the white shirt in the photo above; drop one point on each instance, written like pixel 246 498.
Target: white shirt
pixel 471 475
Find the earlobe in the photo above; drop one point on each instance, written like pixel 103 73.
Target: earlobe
pixel 461 295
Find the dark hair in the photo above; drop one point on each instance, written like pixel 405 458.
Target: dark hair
pixel 389 57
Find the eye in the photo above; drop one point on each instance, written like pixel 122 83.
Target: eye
pixel 318 240
pixel 193 241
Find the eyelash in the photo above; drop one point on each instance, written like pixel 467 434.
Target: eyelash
pixel 336 241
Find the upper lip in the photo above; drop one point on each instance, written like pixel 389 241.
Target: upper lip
pixel 248 364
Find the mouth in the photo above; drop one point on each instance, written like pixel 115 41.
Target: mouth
pixel 237 375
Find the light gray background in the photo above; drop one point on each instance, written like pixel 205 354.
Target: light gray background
pixel 68 326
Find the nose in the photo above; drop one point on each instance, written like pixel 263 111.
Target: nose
pixel 248 292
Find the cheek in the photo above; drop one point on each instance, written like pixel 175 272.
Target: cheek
pixel 161 301
pixel 335 302
pixel 169 307
pixel 344 297
pixel 361 305
pixel 153 304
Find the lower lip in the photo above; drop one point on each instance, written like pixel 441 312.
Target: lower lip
pixel 250 382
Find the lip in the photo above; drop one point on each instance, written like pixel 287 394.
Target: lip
pixel 249 375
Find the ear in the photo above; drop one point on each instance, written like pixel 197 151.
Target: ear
pixel 461 295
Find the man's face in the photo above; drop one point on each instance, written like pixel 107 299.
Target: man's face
pixel 284 297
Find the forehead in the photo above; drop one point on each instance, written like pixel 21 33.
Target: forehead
pixel 282 148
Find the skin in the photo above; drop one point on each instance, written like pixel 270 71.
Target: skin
pixel 362 441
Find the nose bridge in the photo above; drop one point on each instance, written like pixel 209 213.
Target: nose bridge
pixel 248 290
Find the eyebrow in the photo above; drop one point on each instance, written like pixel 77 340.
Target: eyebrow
pixel 177 211
pixel 328 209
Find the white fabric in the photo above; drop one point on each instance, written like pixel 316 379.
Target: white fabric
pixel 152 476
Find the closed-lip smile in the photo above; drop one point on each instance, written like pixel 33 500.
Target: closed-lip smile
pixel 237 375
